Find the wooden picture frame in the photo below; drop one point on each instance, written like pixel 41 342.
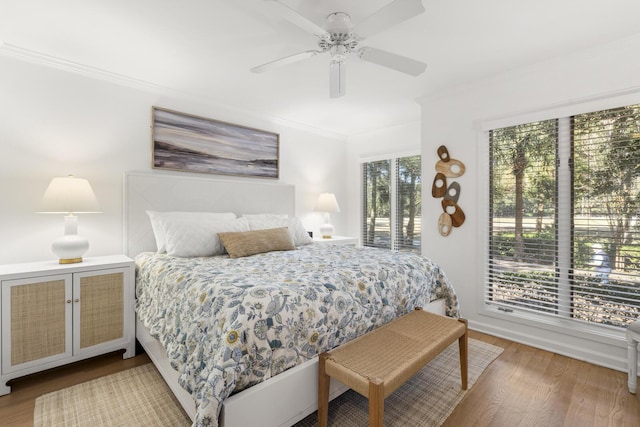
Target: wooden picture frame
pixel 185 142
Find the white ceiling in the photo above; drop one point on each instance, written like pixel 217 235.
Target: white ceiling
pixel 206 48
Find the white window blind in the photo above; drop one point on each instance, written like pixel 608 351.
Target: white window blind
pixel 376 231
pixel 392 207
pixel 408 209
pixel 564 237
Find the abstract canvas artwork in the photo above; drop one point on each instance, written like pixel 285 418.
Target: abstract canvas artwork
pixel 196 144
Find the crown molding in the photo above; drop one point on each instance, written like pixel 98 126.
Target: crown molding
pixel 39 58
pixel 78 68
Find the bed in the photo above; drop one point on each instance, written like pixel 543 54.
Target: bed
pixel 255 362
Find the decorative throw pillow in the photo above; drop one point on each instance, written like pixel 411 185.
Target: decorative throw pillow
pixel 241 244
pixel 197 238
pixel 157 219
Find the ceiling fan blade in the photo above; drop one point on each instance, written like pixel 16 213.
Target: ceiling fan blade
pixel 284 61
pixel 295 18
pixel 391 60
pixel 390 15
pixel 337 79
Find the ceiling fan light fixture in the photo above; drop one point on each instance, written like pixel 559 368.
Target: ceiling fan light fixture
pixel 339 26
pixel 338 52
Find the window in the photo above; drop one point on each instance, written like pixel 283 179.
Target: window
pixel 564 232
pixel 392 203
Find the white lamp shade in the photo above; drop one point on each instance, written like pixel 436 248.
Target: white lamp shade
pixel 69 195
pixel 327 203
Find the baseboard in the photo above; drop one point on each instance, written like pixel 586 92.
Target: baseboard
pixel 615 359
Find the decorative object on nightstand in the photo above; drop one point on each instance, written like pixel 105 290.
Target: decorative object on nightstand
pixel 69 195
pixel 328 204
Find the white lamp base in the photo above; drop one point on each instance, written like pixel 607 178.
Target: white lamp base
pixel 70 247
pixel 326 231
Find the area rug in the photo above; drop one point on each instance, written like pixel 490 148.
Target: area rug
pixel 426 400
pixel 135 397
pixel 140 397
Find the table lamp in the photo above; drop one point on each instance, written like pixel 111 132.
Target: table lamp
pixel 69 195
pixel 327 203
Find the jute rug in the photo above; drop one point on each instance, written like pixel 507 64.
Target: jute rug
pixel 139 397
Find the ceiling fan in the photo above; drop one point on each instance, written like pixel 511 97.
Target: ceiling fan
pixel 340 38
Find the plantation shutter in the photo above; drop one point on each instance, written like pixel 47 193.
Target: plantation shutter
pixel 564 229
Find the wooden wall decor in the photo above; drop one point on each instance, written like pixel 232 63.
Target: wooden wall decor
pixel 452 214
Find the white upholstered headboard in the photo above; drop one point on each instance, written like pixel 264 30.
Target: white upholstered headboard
pixel 164 192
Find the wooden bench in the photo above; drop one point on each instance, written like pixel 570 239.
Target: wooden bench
pixel 379 362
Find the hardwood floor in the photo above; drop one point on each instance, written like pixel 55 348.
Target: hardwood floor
pixel 523 387
pixel 530 387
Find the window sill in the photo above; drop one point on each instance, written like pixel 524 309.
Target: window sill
pixel 594 332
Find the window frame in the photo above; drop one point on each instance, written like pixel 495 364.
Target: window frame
pixel 392 158
pixel 605 334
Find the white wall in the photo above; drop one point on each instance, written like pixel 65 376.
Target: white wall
pixel 382 144
pixel 55 122
pixel 586 79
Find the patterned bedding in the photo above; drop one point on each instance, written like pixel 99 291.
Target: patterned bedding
pixel 227 324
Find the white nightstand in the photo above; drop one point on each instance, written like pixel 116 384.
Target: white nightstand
pixel 337 240
pixel 54 314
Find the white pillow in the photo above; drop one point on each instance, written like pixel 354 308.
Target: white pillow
pixel 198 237
pixel 158 217
pixel 264 221
pixel 267 219
pixel 298 233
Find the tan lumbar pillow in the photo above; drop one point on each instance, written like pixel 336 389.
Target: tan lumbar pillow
pixel 245 243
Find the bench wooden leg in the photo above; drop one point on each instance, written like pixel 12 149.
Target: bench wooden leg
pixel 376 402
pixel 323 391
pixel 463 344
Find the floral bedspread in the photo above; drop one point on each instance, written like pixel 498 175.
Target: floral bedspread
pixel 227 324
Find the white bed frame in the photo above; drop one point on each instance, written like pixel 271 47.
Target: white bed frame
pixel 280 401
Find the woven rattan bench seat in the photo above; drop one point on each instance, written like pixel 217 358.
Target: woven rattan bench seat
pixel 379 362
